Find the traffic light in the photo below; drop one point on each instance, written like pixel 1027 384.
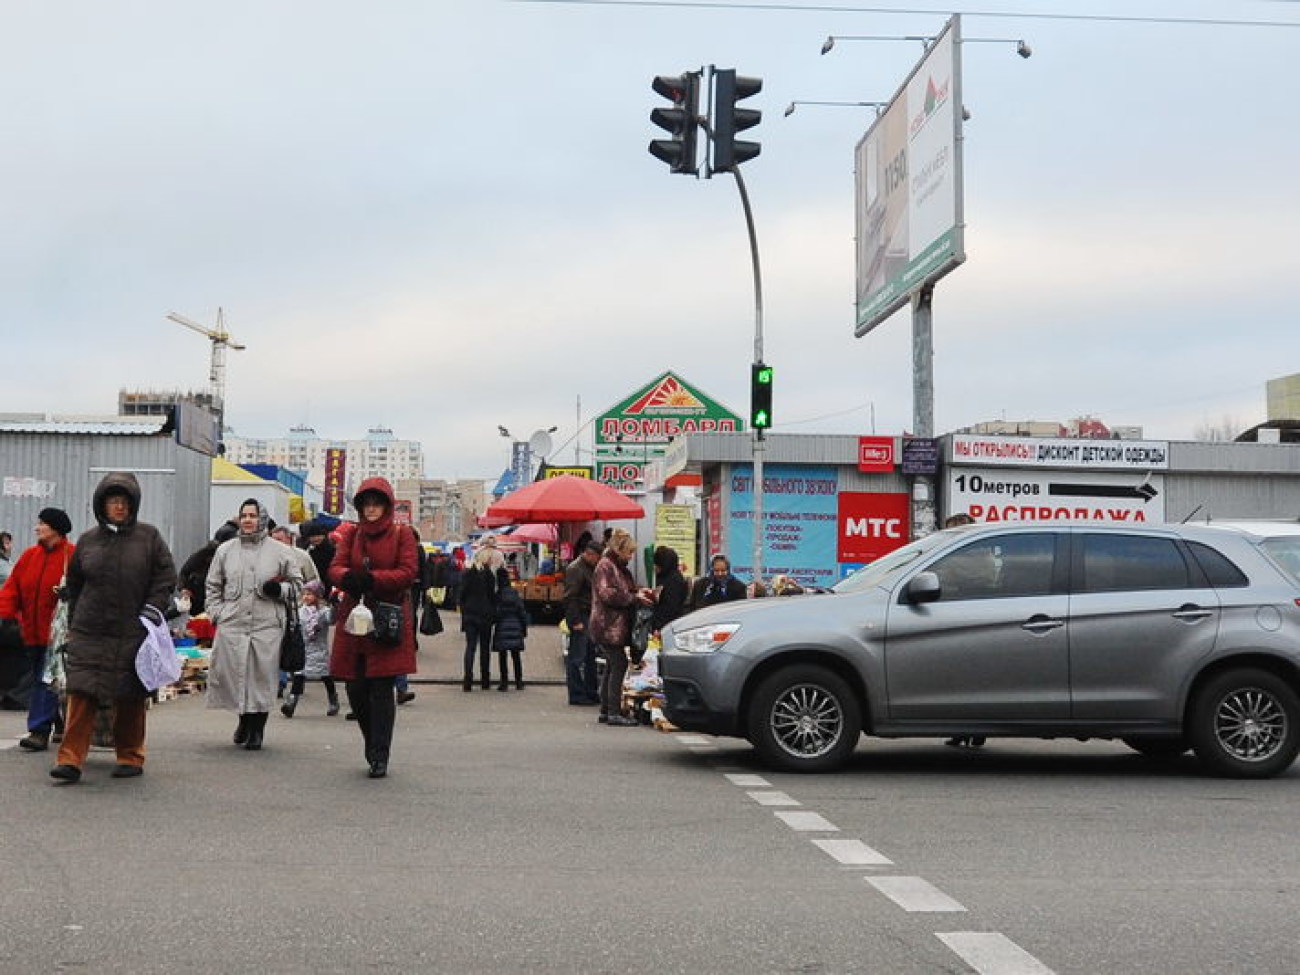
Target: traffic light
pixel 760 396
pixel 681 121
pixel 728 151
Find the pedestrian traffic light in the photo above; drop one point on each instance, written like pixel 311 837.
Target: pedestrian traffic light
pixel 681 121
pixel 727 120
pixel 760 396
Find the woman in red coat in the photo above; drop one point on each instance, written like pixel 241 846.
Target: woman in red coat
pixel 375 562
pixel 30 595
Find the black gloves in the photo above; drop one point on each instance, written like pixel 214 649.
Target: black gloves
pixel 272 589
pixel 357 582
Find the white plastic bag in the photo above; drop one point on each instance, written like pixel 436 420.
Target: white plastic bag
pixel 156 663
pixel 360 622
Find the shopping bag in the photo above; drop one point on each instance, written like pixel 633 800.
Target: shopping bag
pixel 430 620
pixel 156 663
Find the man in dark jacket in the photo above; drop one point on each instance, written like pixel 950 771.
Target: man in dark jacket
pixel 118 569
pixel 580 660
pixel 719 586
pixel 194 573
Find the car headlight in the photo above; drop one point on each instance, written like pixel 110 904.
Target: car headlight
pixel 704 639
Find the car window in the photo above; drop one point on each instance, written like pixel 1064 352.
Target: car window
pixel 997 567
pixel 1218 568
pixel 1285 550
pixel 1114 563
pixel 882 568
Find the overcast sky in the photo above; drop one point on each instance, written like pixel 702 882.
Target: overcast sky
pixel 440 215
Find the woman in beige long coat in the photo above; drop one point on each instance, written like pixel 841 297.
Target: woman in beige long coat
pixel 247 584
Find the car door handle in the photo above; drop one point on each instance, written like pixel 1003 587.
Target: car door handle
pixel 1192 613
pixel 1041 624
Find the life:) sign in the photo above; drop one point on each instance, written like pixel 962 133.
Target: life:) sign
pixel 876 454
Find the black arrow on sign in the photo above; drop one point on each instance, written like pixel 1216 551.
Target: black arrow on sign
pixel 1145 491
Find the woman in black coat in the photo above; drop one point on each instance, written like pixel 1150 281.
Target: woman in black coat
pixel 478 610
pixel 672 590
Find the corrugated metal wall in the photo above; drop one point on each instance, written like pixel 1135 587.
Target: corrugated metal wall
pixel 40 470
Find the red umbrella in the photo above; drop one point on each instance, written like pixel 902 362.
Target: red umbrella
pixel 487 521
pixel 542 534
pixel 565 498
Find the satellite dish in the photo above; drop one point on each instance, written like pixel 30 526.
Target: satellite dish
pixel 540 443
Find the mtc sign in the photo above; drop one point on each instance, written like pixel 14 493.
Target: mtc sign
pixel 871 525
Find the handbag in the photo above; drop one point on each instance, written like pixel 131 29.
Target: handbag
pixel 430 620
pixel 388 623
pixel 293 648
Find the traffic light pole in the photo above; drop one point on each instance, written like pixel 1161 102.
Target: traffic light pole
pixel 758 359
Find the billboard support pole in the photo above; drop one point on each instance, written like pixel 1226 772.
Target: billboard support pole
pixel 923 508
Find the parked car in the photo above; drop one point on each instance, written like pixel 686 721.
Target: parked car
pixel 1167 637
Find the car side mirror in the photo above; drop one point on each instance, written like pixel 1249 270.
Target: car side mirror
pixel 923 588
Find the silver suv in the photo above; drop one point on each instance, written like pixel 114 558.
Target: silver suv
pixel 1168 637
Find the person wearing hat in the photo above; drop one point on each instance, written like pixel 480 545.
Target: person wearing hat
pixel 30 595
pixel 119 567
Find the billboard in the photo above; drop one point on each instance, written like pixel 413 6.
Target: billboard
pixel 336 461
pixel 908 186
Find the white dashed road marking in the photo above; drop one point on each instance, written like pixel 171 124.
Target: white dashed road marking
pixel 773 799
pixel 807 822
pixel 914 894
pixel 695 739
pixel 993 954
pixel 748 781
pixel 852 853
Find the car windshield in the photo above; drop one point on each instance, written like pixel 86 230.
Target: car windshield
pixel 874 573
pixel 1285 550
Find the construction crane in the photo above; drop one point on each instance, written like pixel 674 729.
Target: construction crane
pixel 220 340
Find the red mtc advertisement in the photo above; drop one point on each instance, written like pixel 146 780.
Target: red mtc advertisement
pixel 876 454
pixel 872 525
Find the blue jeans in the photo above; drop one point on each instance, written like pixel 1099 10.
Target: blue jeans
pixel 43 709
pixel 401 683
pixel 580 668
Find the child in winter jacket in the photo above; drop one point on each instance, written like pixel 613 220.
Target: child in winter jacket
pixel 315 616
pixel 511 629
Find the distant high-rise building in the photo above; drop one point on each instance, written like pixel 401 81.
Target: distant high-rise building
pixel 380 454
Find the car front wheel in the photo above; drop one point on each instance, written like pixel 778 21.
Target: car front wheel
pixel 804 718
pixel 1245 724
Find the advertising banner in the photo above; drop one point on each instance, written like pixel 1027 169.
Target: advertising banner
pixel 998 494
pixel 1137 455
pixel 908 181
pixel 336 460
pixel 675 527
pixel 402 513
pixel 637 431
pixel 872 524
pixel 549 471
pixel 876 455
pixel 800 518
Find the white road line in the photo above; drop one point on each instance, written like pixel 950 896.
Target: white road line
pixel 748 781
pixel 990 953
pixel 694 739
pixel 807 822
pixel 852 853
pixel 914 894
pixel 773 799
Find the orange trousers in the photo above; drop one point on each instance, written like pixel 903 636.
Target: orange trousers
pixel 128 730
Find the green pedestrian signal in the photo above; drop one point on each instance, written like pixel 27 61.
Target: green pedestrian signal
pixel 760 396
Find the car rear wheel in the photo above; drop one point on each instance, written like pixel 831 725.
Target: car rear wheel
pixel 1158 749
pixel 804 718
pixel 1245 724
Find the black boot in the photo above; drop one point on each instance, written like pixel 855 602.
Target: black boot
pixel 241 733
pixel 256 730
pixel 290 705
pixel 468 685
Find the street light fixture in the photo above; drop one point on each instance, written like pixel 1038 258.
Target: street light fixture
pixel 1022 48
pixel 789 109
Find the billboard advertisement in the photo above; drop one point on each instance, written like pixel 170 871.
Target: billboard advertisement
pixel 800 522
pixel 1002 494
pixel 908 186
pixel 336 460
pixel 872 525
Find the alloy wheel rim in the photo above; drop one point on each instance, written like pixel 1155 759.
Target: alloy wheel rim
pixel 1250 725
pixel 807 721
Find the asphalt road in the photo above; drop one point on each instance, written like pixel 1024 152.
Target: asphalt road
pixel 514 834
